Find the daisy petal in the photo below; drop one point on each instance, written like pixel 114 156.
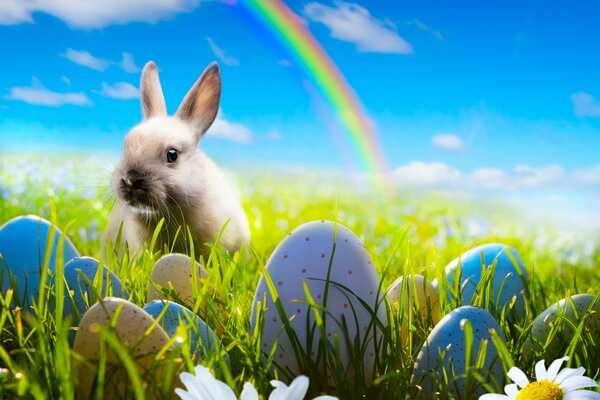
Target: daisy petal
pixel 582 394
pixel 577 382
pixel 554 368
pixel 249 392
pixel 494 396
pixel 512 390
pixel 518 377
pixel 540 371
pixel 326 398
pixel 568 373
pixel 298 388
pixel 185 395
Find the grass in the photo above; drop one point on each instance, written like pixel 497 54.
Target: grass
pixel 409 233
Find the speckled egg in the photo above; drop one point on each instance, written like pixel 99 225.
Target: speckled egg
pixel 310 255
pixel 174 272
pixel 81 271
pixel 23 245
pixel 449 334
pixel 130 328
pixel 509 280
pixel 403 292
pixel 553 320
pixel 178 315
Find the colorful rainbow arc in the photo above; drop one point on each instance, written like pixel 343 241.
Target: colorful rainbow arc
pixel 329 80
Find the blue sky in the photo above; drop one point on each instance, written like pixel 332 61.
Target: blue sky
pixel 472 94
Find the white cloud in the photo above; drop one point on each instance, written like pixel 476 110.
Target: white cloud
pixel 448 142
pixel 353 23
pixel 585 105
pixel 590 176
pixel 274 135
pixel 437 174
pixel 127 64
pixel 119 90
pixel 221 54
pixel 423 27
pixel 226 130
pixel 419 173
pixel 86 59
pixel 94 14
pixel 39 95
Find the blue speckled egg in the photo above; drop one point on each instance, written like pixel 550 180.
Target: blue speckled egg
pixel 509 278
pixel 78 272
pixel 23 245
pixel 177 315
pixel 449 335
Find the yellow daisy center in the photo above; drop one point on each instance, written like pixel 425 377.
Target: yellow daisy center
pixel 541 390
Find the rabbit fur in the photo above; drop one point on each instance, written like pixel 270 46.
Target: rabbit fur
pixel 189 192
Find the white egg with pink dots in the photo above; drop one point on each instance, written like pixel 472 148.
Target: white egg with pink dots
pixel 305 256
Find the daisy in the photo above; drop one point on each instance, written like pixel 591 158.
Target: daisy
pixel 551 384
pixel 204 386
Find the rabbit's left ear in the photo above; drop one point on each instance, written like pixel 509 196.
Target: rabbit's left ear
pixel 201 104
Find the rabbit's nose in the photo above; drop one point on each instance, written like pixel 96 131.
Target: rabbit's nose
pixel 133 182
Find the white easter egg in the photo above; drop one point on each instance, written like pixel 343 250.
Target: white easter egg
pixel 339 274
pixel 510 278
pixel 23 245
pixel 449 335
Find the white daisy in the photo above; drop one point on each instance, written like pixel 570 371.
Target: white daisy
pixel 204 386
pixel 551 384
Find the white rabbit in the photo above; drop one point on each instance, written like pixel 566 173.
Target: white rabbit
pixel 164 174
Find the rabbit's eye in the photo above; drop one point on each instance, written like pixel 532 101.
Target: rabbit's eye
pixel 171 155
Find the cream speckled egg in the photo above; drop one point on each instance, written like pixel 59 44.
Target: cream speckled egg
pixel 130 328
pixel 449 334
pixel 560 318
pixel 404 291
pixel 310 255
pixel 175 270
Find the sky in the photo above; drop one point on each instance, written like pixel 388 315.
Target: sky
pixel 501 96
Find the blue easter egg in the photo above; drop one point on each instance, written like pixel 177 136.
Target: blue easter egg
pixel 177 315
pixel 23 245
pixel 510 278
pixel 78 272
pixel 444 351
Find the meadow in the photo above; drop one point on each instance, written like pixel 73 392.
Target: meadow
pixel 406 232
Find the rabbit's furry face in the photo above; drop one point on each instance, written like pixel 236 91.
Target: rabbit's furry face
pixel 147 180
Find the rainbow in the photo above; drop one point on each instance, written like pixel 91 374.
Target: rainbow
pixel 286 25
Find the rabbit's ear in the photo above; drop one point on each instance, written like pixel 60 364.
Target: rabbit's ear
pixel 201 104
pixel 153 101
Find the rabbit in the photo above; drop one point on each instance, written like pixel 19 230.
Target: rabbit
pixel 163 173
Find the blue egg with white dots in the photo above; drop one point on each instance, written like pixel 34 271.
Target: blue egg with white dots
pixel 23 242
pixel 202 337
pixel 508 283
pixel 80 294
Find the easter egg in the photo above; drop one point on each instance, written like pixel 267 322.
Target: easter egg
pixel 173 273
pixel 202 337
pixel 172 279
pixel 509 279
pixel 558 321
pixel 80 272
pixel 413 291
pixel 329 262
pixel 449 336
pixel 23 242
pixel 136 336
